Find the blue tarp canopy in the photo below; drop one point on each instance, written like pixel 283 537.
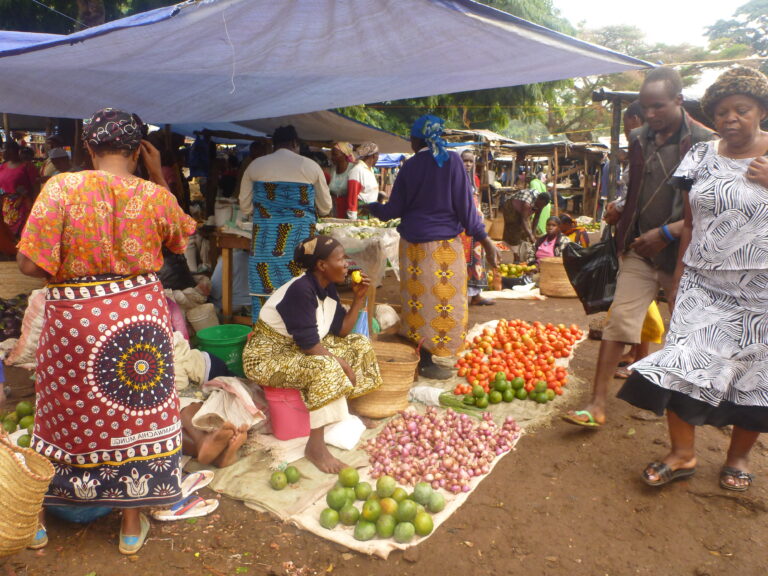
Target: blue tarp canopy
pixel 240 60
pixel 389 160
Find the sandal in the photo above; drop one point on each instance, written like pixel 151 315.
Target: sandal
pixel 665 474
pixel 573 418
pixel 40 540
pixel 132 544
pixel 191 507
pixel 480 301
pixel 736 474
pixel 622 372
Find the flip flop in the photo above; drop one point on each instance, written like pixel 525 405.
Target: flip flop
pixel 665 474
pixel 191 507
pixel 571 418
pixel 195 481
pixel 132 544
pixel 736 474
pixel 622 372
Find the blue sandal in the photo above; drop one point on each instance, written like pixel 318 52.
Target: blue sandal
pixel 40 540
pixel 132 544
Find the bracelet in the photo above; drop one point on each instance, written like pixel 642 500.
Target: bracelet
pixel 664 230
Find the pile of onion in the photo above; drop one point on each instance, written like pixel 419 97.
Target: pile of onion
pixel 446 449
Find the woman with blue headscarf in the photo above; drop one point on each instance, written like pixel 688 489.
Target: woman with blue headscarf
pixel 432 196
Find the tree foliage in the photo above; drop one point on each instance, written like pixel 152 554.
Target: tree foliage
pixel 745 34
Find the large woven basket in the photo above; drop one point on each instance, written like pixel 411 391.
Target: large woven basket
pixel 397 363
pixel 497 227
pixel 24 479
pixel 553 280
pixel 14 282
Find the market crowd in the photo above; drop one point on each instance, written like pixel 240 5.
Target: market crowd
pixel 102 229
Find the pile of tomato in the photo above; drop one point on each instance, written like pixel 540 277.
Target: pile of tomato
pixel 518 349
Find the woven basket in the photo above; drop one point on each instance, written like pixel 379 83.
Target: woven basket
pixel 397 363
pixel 497 227
pixel 22 487
pixel 15 283
pixel 553 280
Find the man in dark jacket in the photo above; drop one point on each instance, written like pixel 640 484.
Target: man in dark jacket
pixel 648 227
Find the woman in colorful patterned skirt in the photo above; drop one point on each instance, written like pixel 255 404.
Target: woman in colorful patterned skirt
pixel 107 413
pixel 433 197
pixel 303 340
pixel 713 368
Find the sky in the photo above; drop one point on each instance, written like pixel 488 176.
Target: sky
pixel 667 21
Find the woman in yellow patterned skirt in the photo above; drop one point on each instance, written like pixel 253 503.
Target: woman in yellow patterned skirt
pixel 303 340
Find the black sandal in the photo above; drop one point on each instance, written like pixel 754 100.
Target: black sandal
pixel 736 474
pixel 665 474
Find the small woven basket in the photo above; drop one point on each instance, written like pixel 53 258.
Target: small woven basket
pixel 397 363
pixel 553 280
pixel 24 479
pixel 15 283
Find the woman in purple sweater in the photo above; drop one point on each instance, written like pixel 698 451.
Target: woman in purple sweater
pixel 432 196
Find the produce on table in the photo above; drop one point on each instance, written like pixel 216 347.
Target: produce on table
pixel 515 270
pixel 329 518
pixel 404 532
pixel 292 474
pixel 363 491
pixel 22 418
pixel 521 351
pixel 349 477
pixel 592 226
pixel 446 449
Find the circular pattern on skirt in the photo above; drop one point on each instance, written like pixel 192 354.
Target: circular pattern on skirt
pixel 130 367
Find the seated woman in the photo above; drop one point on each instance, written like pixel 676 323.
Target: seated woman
pixel 551 244
pixel 573 231
pixel 302 340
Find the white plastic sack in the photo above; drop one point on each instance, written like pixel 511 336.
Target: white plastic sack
pixel 229 401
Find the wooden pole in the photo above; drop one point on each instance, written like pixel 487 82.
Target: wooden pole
pixel 554 182
pixel 614 156
pixel 6 126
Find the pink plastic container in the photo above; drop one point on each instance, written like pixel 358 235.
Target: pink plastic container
pixel 288 413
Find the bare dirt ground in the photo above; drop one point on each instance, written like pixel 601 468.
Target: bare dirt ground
pixel 569 502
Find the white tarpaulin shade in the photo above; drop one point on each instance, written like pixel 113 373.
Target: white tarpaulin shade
pixel 229 60
pixel 322 126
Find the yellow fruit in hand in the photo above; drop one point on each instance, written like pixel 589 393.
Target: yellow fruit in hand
pixel 357 277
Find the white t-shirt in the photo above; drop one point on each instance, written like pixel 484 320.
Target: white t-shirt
pixel 370 186
pixel 284 165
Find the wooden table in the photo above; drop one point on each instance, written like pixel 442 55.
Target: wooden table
pixel 228 242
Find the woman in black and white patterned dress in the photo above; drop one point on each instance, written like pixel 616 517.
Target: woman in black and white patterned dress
pixel 713 368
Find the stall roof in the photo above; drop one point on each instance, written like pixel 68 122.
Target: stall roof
pixel 231 60
pixel 564 147
pixel 479 136
pixel 322 127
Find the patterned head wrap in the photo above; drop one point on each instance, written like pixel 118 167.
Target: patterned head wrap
pixel 367 149
pixel 430 129
pixel 739 80
pixel 115 129
pixel 346 149
pixel 310 250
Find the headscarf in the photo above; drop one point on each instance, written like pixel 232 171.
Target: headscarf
pixel 346 149
pixel 430 129
pixel 115 129
pixel 739 80
pixel 367 149
pixel 310 250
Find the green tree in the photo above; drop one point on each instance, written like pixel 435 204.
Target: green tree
pixel 746 34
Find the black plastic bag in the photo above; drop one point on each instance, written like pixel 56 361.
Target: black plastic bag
pixel 592 272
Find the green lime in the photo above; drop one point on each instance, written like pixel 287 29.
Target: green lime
pixel 540 386
pixel 423 524
pixel 518 383
pixel 399 494
pixel 364 530
pixel 385 526
pixel 25 408
pixel 482 402
pixel 500 377
pixel 494 397
pixel 363 491
pixel 9 425
pixel 292 474
pixel 278 480
pixel 541 398
pixel 500 385
pixel 24 441
pixel 349 515
pixel 349 477
pixel 422 492
pixel 329 518
pixel 12 417
pixel 478 391
pixel 550 394
pixel 336 498
pixel 371 510
pixel 521 394
pixel 508 395
pixel 436 503
pixel 404 532
pixel 385 486
pixel 406 510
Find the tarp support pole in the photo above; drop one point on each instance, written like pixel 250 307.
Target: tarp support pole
pixel 614 156
pixel 554 183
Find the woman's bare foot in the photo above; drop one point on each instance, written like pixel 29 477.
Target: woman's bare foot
pixel 215 443
pixel 317 453
pixel 229 455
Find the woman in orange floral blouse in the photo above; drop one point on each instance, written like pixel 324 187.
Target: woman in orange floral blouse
pixel 107 413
